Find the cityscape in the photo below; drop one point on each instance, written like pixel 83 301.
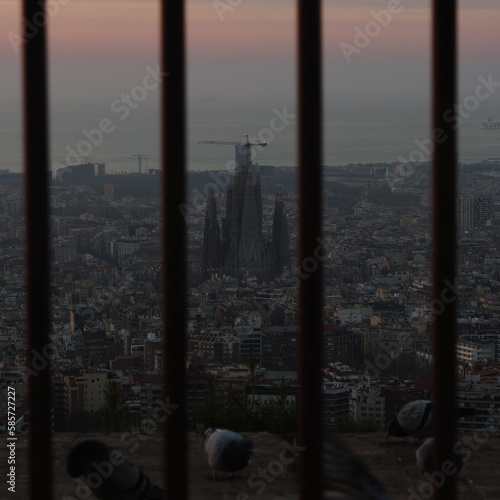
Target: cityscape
pixel 243 274
pixel 135 90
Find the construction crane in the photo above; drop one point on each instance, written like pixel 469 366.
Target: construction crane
pixel 247 146
pixel 140 158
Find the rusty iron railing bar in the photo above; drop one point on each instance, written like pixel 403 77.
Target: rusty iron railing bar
pixel 444 245
pixel 310 248
pixel 36 173
pixel 174 252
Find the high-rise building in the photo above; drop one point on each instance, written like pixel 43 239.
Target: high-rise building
pixel 482 210
pixel 474 211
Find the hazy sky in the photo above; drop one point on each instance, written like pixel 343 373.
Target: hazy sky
pixel 241 74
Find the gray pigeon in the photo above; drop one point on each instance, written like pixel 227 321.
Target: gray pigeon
pixel 109 474
pixel 415 419
pixel 424 457
pixel 227 451
pixel 346 476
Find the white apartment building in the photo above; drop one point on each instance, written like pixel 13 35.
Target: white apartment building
pixel 472 352
pixel 366 404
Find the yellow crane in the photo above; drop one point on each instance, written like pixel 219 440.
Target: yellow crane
pixel 247 146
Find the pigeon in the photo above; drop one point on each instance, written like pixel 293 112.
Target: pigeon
pixel 415 419
pixel 109 474
pixel 424 457
pixel 227 451
pixel 346 475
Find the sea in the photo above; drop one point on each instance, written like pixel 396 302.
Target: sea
pixel 344 142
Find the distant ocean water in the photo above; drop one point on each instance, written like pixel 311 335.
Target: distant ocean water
pixel 344 142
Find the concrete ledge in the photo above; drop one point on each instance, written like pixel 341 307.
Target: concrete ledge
pixel 266 478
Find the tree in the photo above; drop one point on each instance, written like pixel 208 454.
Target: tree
pixel 115 417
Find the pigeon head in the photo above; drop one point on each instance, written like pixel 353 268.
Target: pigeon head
pixel 395 429
pixel 208 432
pixel 109 474
pixel 248 445
pixel 78 458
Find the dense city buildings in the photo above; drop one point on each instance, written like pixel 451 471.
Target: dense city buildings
pixel 107 352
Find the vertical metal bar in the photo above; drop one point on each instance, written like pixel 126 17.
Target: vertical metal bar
pixel 35 109
pixel 310 249
pixel 444 175
pixel 174 244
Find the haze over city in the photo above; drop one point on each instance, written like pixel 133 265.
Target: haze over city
pixel 241 73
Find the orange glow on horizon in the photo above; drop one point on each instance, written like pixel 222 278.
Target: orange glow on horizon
pixel 104 29
pixel 84 30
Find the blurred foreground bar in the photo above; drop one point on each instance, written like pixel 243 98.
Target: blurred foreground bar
pixel 310 248
pixel 174 254
pixel 444 178
pixel 36 170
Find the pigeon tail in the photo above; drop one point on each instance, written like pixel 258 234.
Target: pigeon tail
pixel 395 429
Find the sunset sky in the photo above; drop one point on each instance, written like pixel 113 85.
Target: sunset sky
pixel 241 67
